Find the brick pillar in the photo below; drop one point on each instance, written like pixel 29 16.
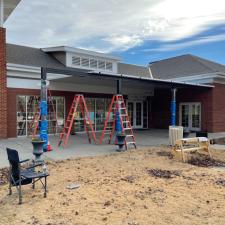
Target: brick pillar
pixel 3 87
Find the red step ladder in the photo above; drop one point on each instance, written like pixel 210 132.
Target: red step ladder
pixel 78 101
pixel 118 105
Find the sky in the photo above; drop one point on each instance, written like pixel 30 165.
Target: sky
pixel 138 31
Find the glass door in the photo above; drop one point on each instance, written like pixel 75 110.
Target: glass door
pixel 138 115
pixel 131 112
pixel 135 112
pixel 185 115
pixel 195 116
pixel 190 116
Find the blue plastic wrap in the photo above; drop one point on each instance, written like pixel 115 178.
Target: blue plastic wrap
pixel 173 113
pixel 118 127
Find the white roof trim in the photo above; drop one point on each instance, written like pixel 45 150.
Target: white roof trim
pixel 81 51
pixel 23 71
pixel 199 77
pixel 24 68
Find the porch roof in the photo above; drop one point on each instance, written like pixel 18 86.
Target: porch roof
pixel 70 75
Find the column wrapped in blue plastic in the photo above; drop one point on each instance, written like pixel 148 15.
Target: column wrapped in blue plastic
pixel 118 127
pixel 44 124
pixel 173 113
pixel 44 110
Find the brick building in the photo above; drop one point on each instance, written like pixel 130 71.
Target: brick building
pixel 147 90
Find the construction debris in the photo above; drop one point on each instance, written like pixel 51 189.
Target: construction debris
pixel 73 186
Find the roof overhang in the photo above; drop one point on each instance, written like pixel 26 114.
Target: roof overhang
pixel 152 82
pixel 7 7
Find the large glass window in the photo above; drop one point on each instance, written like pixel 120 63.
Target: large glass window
pixel 21 115
pixel 28 109
pixel 98 111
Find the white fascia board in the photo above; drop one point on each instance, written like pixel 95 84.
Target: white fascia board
pixel 198 77
pixel 81 51
pixel 23 68
pixel 32 72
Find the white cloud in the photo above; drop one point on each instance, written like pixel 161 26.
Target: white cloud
pixel 186 44
pixel 110 25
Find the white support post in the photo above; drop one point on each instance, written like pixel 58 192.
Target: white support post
pixel 1 13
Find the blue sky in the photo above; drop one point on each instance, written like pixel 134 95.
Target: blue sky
pixel 139 32
pixel 213 48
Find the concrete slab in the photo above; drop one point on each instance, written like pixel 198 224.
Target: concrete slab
pixel 78 145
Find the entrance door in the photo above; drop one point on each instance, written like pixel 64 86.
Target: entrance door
pixel 190 116
pixel 135 112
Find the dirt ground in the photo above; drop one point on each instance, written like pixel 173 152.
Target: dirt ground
pixel 140 187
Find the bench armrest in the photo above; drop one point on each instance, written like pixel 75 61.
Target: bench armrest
pixel 33 166
pixel 25 160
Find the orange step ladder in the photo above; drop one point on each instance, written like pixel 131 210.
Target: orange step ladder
pixel 80 102
pixel 118 105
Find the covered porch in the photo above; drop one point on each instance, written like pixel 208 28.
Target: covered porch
pixel 151 103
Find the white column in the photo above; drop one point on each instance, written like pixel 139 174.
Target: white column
pixel 1 13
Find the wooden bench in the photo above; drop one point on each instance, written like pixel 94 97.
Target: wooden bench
pixel 185 145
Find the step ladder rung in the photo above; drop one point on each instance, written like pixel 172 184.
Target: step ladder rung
pixel 77 101
pixel 119 108
pixel 130 142
pixel 117 103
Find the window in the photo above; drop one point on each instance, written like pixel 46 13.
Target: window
pixel 76 61
pixel 101 64
pixel 109 66
pixel 85 62
pixel 27 108
pixel 93 63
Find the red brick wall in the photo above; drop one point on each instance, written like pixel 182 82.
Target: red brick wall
pixel 212 103
pixel 3 86
pixel 218 104
pixel 161 107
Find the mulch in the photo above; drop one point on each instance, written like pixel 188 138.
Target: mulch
pixel 166 174
pixel 4 175
pixel 205 162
